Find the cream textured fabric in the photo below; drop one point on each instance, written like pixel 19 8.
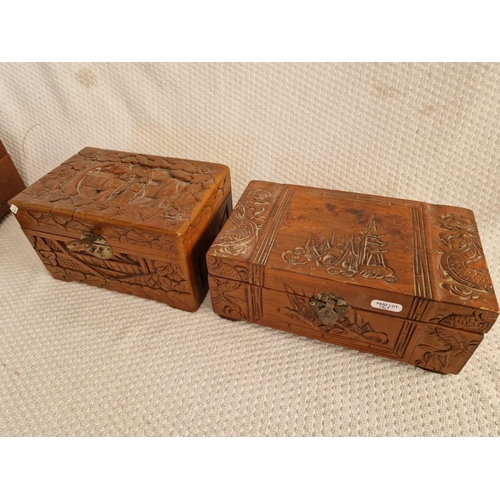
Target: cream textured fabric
pixel 78 360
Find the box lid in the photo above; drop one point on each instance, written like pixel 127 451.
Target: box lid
pixel 169 198
pixel 399 257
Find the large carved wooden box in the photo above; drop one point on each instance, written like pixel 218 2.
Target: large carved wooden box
pixel 138 224
pixel 395 278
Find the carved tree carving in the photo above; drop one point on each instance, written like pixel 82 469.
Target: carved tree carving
pixel 363 256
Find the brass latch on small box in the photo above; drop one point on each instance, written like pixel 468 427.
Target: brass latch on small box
pixel 329 307
pixel 92 244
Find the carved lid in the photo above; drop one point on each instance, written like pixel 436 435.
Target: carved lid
pixel 426 259
pixel 152 193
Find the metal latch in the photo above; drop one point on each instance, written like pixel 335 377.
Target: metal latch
pixel 329 307
pixel 92 244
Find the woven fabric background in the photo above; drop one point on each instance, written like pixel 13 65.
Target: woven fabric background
pixel 77 360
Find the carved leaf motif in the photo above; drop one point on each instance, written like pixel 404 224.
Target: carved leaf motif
pixel 153 281
pixel 79 201
pixel 74 275
pixel 137 237
pixel 114 184
pixel 58 197
pixel 77 225
pixel 91 279
pixel 163 243
pixel 48 258
pixel 64 204
pixel 51 182
pixel 171 277
pixel 58 272
pixel 26 219
pixel 295 316
pixel 41 244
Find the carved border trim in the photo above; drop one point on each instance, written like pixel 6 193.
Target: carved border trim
pixel 258 263
pixel 417 308
pixel 421 274
pixel 405 335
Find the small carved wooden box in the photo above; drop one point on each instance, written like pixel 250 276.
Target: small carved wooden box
pixel 138 224
pixel 396 278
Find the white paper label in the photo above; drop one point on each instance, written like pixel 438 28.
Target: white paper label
pixel 386 306
pixel 14 209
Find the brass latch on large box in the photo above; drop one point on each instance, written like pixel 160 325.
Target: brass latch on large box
pixel 92 244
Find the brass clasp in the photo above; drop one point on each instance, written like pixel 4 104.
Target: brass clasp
pixel 329 307
pixel 92 244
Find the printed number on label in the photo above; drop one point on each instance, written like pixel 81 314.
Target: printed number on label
pixel 386 306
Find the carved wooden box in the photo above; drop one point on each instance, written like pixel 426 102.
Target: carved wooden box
pixel 10 181
pixel 396 278
pixel 138 224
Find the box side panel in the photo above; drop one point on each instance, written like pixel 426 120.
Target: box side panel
pixel 127 238
pixel 197 263
pixel 437 348
pixel 462 285
pixel 357 296
pixel 204 219
pixel 125 272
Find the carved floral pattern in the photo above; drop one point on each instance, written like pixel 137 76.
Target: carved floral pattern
pixel 363 256
pixel 462 258
pixel 244 225
pixel 122 186
pixel 352 325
